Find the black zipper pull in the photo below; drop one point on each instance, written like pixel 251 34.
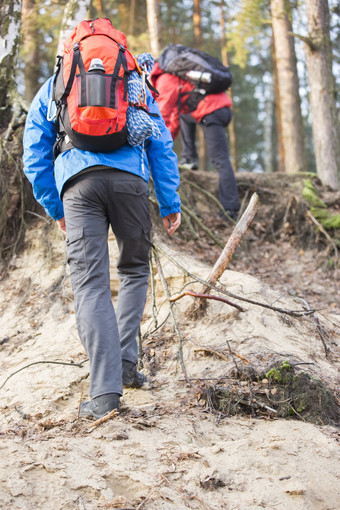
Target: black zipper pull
pixel 91 25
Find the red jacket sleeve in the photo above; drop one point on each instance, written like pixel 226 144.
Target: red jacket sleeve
pixel 168 88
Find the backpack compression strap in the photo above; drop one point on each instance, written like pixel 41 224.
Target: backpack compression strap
pixel 121 61
pixel 76 61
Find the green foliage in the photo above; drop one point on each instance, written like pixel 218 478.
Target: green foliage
pixel 248 32
pixel 282 374
pixel 247 29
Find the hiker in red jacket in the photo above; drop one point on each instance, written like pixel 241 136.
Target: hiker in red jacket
pixel 213 113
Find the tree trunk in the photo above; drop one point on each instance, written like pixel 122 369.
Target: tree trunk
pixel 152 15
pixel 197 23
pixel 75 11
pixel 225 61
pixel 9 40
pixel 280 148
pixel 31 48
pixel 132 14
pixel 322 93
pixel 201 145
pixel 15 191
pixel 291 118
pixel 268 131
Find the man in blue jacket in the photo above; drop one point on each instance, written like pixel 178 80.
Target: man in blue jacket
pixel 86 192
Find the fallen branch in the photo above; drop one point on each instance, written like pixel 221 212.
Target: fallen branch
pixel 167 294
pixel 107 417
pixel 220 355
pixel 293 313
pixel 80 365
pixel 192 215
pixel 320 329
pixel 209 195
pixel 233 242
pixel 79 406
pixel 22 414
pixel 148 496
pixel 207 230
pixel 328 237
pixel 206 296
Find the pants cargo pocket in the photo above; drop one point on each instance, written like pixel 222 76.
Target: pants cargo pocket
pixel 76 253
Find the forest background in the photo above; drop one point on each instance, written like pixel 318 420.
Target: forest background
pixel 284 57
pixel 260 430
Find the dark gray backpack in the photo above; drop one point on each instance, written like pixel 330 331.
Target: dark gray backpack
pixel 204 71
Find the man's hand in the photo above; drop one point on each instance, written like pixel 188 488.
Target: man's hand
pixel 61 224
pixel 172 222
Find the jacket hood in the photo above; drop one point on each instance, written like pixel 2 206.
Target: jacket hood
pixel 155 73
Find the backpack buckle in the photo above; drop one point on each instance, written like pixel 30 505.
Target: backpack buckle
pixel 50 117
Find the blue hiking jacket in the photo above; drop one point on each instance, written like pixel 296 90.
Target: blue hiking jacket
pixel 48 178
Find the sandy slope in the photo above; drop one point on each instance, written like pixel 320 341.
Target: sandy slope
pixel 165 450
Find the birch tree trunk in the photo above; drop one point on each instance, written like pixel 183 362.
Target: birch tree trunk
pixel 152 15
pixel 9 41
pixel 291 118
pixel 15 191
pixel 322 93
pixel 75 12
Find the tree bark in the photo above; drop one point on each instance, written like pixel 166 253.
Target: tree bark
pixel 31 48
pixel 9 40
pixel 280 148
pixel 225 61
pixel 322 93
pixel 290 107
pixel 269 162
pixel 75 11
pixel 132 14
pixel 197 23
pixel 201 145
pixel 15 191
pixel 152 15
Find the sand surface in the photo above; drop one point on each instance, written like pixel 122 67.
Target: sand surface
pixel 166 450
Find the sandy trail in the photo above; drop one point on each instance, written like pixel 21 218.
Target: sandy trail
pixel 165 450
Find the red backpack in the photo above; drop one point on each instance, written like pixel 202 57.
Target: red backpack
pixel 91 88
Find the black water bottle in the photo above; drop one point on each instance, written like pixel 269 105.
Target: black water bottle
pixel 96 83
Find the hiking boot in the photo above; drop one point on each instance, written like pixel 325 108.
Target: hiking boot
pixel 131 377
pixel 99 406
pixel 188 164
pixel 231 214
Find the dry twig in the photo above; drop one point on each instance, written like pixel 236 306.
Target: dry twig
pixel 180 342
pixel 80 365
pixel 140 506
pixel 107 417
pixel 206 296
pixel 293 313
pixel 328 237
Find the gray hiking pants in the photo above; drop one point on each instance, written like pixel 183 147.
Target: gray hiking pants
pixel 92 202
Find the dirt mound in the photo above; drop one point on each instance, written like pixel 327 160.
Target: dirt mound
pixel 181 442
